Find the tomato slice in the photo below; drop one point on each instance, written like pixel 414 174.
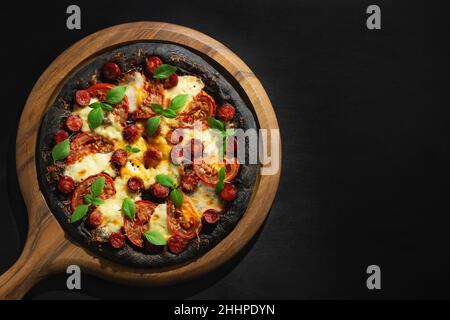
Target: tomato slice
pixel 100 90
pixel 134 229
pixel 185 221
pixel 209 173
pixel 86 143
pixel 155 94
pixel 199 109
pixel 83 189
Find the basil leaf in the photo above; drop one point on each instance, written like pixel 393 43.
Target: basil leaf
pixel 178 102
pixel 155 237
pixel 177 197
pixel 115 95
pixel 97 201
pixel 157 108
pixel 169 113
pixel 164 71
pixel 152 125
pixel 95 105
pixel 129 148
pixel 79 213
pixel 88 198
pixel 165 180
pixel 220 184
pixel 95 118
pixel 129 208
pixel 107 107
pixel 216 124
pixel 97 186
pixel 61 150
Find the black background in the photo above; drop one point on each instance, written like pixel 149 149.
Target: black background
pixel 364 119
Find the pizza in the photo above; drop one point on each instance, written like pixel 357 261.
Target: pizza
pixel 139 157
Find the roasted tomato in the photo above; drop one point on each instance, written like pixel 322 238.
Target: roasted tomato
pixel 208 173
pixel 155 95
pixel 84 144
pixel 185 221
pixel 83 189
pixel 199 109
pixel 100 90
pixel 135 228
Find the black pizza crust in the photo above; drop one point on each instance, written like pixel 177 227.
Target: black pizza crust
pixel 218 83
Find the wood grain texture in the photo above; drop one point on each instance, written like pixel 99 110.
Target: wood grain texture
pixel 48 250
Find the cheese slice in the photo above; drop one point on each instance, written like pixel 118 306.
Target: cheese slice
pixel 135 91
pixel 89 165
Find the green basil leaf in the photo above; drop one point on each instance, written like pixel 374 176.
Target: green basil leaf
pixel 157 108
pixel 95 105
pixel 216 124
pixel 164 71
pixel 221 183
pixel 97 201
pixel 129 148
pixel 79 213
pixel 165 180
pixel 61 150
pixel 97 186
pixel 129 208
pixel 116 94
pixel 178 102
pixel 152 125
pixel 169 113
pixel 107 107
pixel 88 198
pixel 95 118
pixel 155 237
pixel 177 197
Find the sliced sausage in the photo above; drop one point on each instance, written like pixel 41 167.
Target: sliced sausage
pixel 74 123
pixel 119 158
pixel 159 191
pixel 152 158
pixel 66 184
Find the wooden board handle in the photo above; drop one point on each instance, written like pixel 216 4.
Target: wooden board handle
pixel 35 262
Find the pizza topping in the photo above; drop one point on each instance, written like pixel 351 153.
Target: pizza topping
pixel 61 150
pixel 95 219
pixel 176 244
pixel 84 188
pixel 170 82
pixel 152 158
pixel 131 133
pixel 60 136
pixel 152 63
pixel 135 184
pixel 119 158
pixel 135 228
pixel 111 71
pixel 226 112
pixel 164 71
pixel 74 123
pixel 66 184
pixel 229 192
pixel 116 240
pixel 129 208
pixel 159 191
pixel 207 170
pixel 174 137
pixel 183 221
pixel 82 98
pixel 211 216
pixel 200 109
pixel 189 182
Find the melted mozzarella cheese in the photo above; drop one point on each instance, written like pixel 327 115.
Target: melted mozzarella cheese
pixel 111 129
pixel 189 85
pixel 111 209
pixel 158 221
pixel 135 92
pixel 91 164
pixel 205 197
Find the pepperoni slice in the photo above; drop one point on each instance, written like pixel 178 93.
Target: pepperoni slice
pixel 116 240
pixel 119 158
pixel 189 182
pixel 82 98
pixel 152 63
pixel 111 71
pixel 211 216
pixel 135 184
pixel 152 158
pixel 229 192
pixel 66 184
pixel 176 244
pixel 74 123
pixel 95 219
pixel 135 228
pixel 226 112
pixel 159 191
pixel 131 133
pixel 60 136
pixel 171 81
